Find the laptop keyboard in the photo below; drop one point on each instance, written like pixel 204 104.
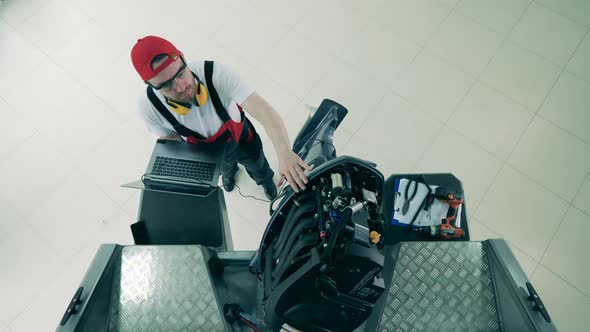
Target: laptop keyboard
pixel 182 168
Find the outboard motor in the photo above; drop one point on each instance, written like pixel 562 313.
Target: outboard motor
pixel 319 258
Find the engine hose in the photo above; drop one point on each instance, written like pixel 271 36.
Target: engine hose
pixel 297 202
pixel 283 249
pixel 307 240
pixel 288 219
pixel 321 221
pixel 345 216
pixel 294 215
pixel 302 198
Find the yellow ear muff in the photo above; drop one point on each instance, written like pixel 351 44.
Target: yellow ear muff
pixel 200 99
pixel 202 96
pixel 178 107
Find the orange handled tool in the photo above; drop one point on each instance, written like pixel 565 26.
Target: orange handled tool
pixel 455 199
pixel 447 229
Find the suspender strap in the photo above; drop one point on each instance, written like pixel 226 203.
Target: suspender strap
pixel 213 95
pixel 180 129
pixel 221 111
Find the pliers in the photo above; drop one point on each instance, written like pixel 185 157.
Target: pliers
pixel 408 199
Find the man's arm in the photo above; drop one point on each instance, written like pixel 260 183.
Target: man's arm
pixel 291 166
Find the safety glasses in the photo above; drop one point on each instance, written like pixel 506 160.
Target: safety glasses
pixel 169 83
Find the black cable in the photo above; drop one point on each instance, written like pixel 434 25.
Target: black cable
pixel 248 196
pixel 310 134
pixel 206 183
pixel 315 131
pixel 321 141
pixel 272 202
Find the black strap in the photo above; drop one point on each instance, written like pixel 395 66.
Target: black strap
pixel 219 108
pixel 182 130
pixel 217 104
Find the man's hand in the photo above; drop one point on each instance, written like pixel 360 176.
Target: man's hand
pixel 292 168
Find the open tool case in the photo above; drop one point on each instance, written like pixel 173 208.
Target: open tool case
pixel 395 232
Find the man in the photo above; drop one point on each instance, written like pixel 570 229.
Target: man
pixel 204 103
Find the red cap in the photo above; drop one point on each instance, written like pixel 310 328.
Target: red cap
pixel 146 49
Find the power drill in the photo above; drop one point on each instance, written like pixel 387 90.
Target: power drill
pixel 446 229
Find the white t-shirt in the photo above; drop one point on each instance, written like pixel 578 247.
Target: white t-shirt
pixel 202 119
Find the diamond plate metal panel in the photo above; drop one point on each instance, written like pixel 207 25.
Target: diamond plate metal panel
pixel 163 288
pixel 441 286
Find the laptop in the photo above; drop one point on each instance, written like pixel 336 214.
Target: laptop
pixel 184 167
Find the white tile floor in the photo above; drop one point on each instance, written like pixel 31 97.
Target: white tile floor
pixel 495 91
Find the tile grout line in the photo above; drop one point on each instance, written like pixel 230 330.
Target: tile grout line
pixel 543 57
pixel 488 190
pixel 571 205
pixel 288 29
pixel 586 178
pixel 509 242
pixel 475 143
pixel 574 53
pixel 537 183
pixel 422 49
pixel 326 72
pixel 536 114
pixel 56 274
pixel 470 141
pixel 249 221
pixel 520 138
pixel 44 291
pixel 565 66
pixel 451 11
pixel 356 69
pixel 61 179
pixel 485 24
pixel 419 159
pixel 21 21
pixel 478 78
pixel 419 109
pixel 366 28
pixel 371 111
pixel 562 279
pixel 549 8
pixel 82 84
pixel 460 101
pixel 535 52
pixel 530 50
pixel 502 43
pixel 581 140
pixel 538 262
pixel 526 108
pixel 553 236
pixel 578 76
